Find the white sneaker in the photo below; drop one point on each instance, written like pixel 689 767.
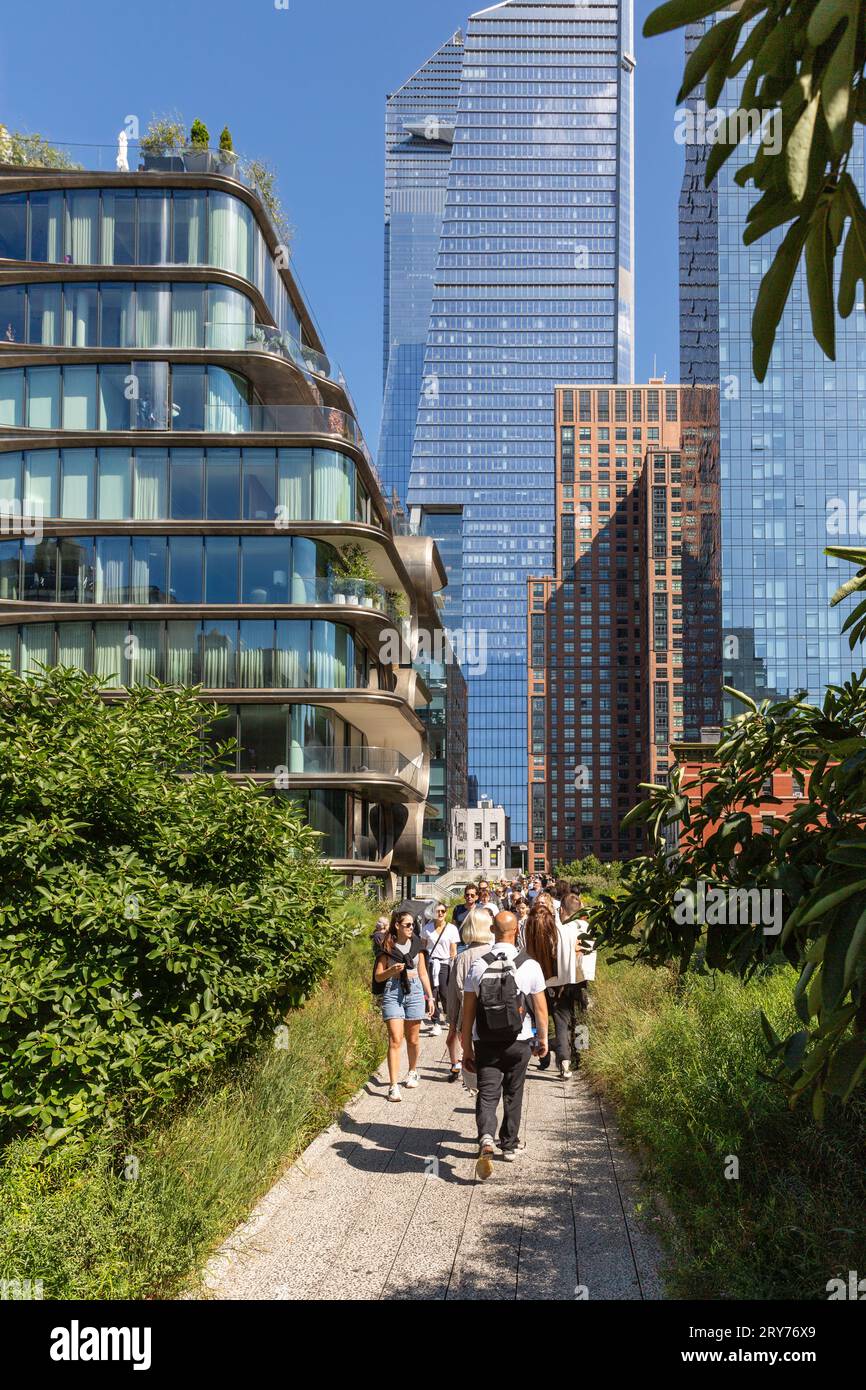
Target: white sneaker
pixel 435 1030
pixel 394 1093
pixel 411 1080
pixel 565 1069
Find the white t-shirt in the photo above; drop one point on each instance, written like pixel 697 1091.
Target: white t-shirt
pixel 442 949
pixel 529 981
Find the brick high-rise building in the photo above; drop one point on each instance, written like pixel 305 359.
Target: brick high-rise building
pixel 615 669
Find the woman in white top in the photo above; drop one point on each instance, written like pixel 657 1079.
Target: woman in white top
pixel 442 938
pixel 566 990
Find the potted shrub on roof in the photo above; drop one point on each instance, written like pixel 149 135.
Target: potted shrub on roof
pixel 197 156
pixel 162 144
pixel 226 161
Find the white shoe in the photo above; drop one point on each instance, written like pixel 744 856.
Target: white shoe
pixel 411 1080
pixel 435 1030
pixel 565 1070
pixel 394 1093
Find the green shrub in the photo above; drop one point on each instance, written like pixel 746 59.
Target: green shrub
pixel 199 135
pixel 164 135
pixel 150 923
pixel 226 140
pixel 683 1061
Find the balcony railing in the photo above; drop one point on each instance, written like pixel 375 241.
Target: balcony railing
pixel 262 337
pixel 353 762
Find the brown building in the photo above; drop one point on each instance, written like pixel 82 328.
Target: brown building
pixel 609 650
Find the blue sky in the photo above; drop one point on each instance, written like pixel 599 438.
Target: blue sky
pixel 304 88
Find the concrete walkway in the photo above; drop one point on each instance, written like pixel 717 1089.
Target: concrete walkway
pixel 385 1204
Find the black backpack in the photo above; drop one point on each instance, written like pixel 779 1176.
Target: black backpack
pixel 501 1006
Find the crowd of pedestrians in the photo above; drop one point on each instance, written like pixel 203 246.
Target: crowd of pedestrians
pixel 511 959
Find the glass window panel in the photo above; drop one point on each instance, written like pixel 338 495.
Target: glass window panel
pixel 78 471
pixel 74 643
pixel 77 569
pixel 219 642
pixel 152 312
pixel 12 396
pixel 37 647
pixel 79 398
pixel 260 501
pixel 186 554
pixel 190 223
pixel 9 647
pixel 188 397
pixel 118 315
pixel 266 565
pixel 13 302
pixel 82 226
pixel 187 467
pixel 115 485
pixel 40 572
pixel 151 484
pixel 295 484
pixel 227 408
pixel 10 476
pixel 149 560
pixel 256 655
pixel 222 474
pixel 263 735
pixel 118 226
pixel 219 731
pixel 310 564
pixel 333 476
pixel 44 308
pixel 46 226
pixel 80 315
pixel 151 379
pixel 10 565
pixel 43 398
pixel 115 406
pixel 144 654
pixel 153 210
pixel 187 316
pixel 293 671
pixel 182 660
pixel 13 226
pixel 109 654
pixel 112 569
pixel 222 555
pixel 40 479
pixel 231 318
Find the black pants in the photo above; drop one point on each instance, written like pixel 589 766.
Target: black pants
pixel 501 1075
pixel 440 992
pixel 563 1000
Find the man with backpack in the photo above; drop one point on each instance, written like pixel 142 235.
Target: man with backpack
pixel 504 1005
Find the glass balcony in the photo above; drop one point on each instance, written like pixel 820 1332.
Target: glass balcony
pixel 353 762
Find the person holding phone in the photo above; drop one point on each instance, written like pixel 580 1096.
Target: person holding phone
pixel 402 975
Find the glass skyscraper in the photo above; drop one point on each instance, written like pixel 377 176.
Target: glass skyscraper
pixel 533 287
pixel 789 445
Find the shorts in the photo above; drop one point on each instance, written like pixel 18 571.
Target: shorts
pixel 398 1002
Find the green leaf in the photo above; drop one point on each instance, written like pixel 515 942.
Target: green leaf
pixel 847 1068
pixel 820 906
pixel 798 149
pixel 773 295
pixel 677 13
pixel 716 40
pixel 820 259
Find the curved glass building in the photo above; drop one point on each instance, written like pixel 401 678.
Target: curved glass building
pixel 185 494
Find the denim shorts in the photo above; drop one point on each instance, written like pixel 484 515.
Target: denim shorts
pixel 398 1002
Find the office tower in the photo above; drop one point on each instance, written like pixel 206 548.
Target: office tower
pixel 623 641
pixel 789 445
pixel 209 510
pixel 419 134
pixel 533 286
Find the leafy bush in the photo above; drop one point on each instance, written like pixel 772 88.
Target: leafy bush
pixel 226 140
pixel 150 923
pixel 199 134
pixel 164 135
pixel 33 151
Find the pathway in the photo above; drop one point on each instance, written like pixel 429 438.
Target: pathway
pixel 385 1204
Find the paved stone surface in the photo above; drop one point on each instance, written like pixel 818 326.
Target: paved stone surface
pixel 385 1204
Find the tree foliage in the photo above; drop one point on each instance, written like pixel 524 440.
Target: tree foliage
pixel 802 59
pixel 816 859
pixel 151 922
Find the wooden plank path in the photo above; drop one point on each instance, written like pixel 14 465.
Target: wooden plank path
pixel 385 1204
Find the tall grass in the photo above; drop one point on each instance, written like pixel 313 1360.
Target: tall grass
pixel 89 1232
pixel 684 1068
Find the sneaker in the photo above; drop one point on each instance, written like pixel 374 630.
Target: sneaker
pixel 545 1062
pixel 394 1093
pixel 484 1163
pixel 435 1030
pixel 565 1070
pixel 411 1080
pixel 454 1074
pixel 510 1155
